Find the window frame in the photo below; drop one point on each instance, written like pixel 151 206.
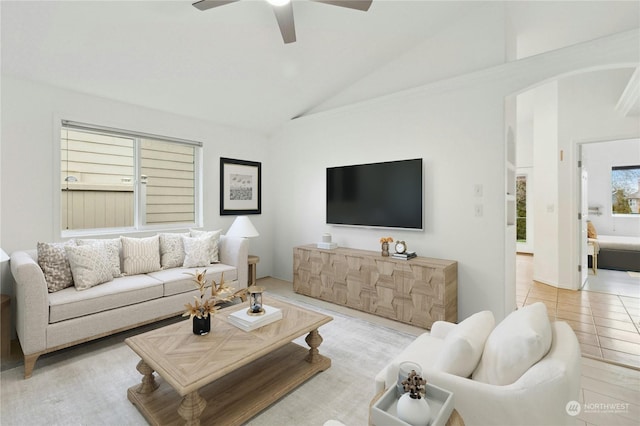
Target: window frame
pixel 611 185
pixel 139 224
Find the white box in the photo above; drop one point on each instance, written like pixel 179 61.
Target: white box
pixel 246 322
pixel 327 246
pixel 384 411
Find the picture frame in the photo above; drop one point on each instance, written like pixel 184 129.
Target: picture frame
pixel 240 187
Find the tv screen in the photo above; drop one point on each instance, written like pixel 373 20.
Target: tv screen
pixel 387 194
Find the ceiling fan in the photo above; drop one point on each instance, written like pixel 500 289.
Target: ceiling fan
pixel 284 11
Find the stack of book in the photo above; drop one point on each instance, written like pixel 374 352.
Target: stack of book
pixel 406 255
pixel 246 322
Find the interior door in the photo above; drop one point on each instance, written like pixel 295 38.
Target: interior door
pixel 584 211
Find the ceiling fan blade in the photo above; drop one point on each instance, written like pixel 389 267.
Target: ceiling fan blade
pixel 363 5
pixel 210 4
pixel 284 16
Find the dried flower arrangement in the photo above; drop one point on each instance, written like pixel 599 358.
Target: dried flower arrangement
pixel 202 307
pixel 386 240
pixel 414 384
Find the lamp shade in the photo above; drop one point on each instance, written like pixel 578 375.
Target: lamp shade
pixel 3 256
pixel 243 228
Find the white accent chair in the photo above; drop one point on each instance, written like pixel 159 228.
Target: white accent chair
pixel 537 396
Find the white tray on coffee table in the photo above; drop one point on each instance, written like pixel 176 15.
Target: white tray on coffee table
pixel 384 410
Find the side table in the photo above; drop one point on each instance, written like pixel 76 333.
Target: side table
pixel 454 419
pixel 253 260
pixel 5 326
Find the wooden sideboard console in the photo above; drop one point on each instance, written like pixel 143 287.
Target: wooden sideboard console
pixel 419 291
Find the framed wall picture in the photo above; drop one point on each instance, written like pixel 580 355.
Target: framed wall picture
pixel 240 187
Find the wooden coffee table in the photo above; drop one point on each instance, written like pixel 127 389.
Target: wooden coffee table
pixel 229 375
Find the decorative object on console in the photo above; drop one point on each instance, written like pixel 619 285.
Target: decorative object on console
pixel 240 187
pixel 385 245
pixel 412 407
pixel 326 243
pixel 404 256
pixel 401 247
pixel 255 300
pixel 203 309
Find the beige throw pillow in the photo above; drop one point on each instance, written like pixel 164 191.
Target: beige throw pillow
pixel 54 263
pixel 141 255
pixel 113 247
pixel 196 252
pixel 214 240
pixel 90 264
pixel 172 250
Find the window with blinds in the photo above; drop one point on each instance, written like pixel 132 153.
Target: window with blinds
pixel 115 179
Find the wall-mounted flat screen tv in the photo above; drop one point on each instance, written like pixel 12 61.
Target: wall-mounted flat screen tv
pixel 387 194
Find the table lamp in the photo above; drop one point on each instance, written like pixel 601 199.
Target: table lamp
pixel 243 228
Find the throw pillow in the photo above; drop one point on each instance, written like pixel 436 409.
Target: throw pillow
pixel 90 264
pixel 141 255
pixel 517 343
pixel 172 250
pixel 112 247
pixel 53 261
pixel 463 346
pixel 591 230
pixel 214 240
pixel 196 252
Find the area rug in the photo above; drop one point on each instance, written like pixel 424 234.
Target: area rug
pixel 87 384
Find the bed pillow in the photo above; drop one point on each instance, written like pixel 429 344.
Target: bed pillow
pixel 214 240
pixel 518 342
pixel 53 261
pixel 196 252
pixel 113 247
pixel 90 264
pixel 141 255
pixel 172 250
pixel 463 346
pixel 591 230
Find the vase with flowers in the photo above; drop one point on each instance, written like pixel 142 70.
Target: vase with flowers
pixel 412 406
pixel 203 308
pixel 385 245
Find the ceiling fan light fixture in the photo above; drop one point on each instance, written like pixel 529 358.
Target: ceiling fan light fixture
pixel 278 2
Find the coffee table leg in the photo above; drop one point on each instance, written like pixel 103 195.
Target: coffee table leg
pixel 148 384
pixel 191 407
pixel 313 339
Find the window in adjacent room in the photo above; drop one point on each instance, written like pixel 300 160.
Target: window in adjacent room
pixel 521 208
pixel 625 190
pixel 118 180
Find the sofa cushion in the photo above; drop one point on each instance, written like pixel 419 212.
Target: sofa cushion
pixel 196 252
pixel 214 241
pixel 172 250
pixel 141 255
pixel 91 264
pixel 517 343
pixel 114 259
pixel 128 290
pixel 463 346
pixel 181 280
pixel 53 261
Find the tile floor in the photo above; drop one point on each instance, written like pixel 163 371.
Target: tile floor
pixel 607 325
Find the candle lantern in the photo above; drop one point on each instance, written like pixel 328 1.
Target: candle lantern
pixel 255 301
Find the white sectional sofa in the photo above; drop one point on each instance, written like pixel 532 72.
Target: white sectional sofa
pixel 47 321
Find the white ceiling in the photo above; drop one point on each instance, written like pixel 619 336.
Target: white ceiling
pixel 229 64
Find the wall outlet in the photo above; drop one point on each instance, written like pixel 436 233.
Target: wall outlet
pixel 477 190
pixel 477 210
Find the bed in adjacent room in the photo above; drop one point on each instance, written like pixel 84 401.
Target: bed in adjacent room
pixel 617 252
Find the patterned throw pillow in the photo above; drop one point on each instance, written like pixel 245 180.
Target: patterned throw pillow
pixel 196 252
pixel 53 261
pixel 112 248
pixel 214 239
pixel 141 255
pixel 90 264
pixel 172 250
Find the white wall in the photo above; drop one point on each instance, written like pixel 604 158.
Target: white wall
pixel 29 184
pixel 598 159
pixel 458 134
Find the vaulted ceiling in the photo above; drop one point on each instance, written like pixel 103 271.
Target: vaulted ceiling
pixel 230 65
